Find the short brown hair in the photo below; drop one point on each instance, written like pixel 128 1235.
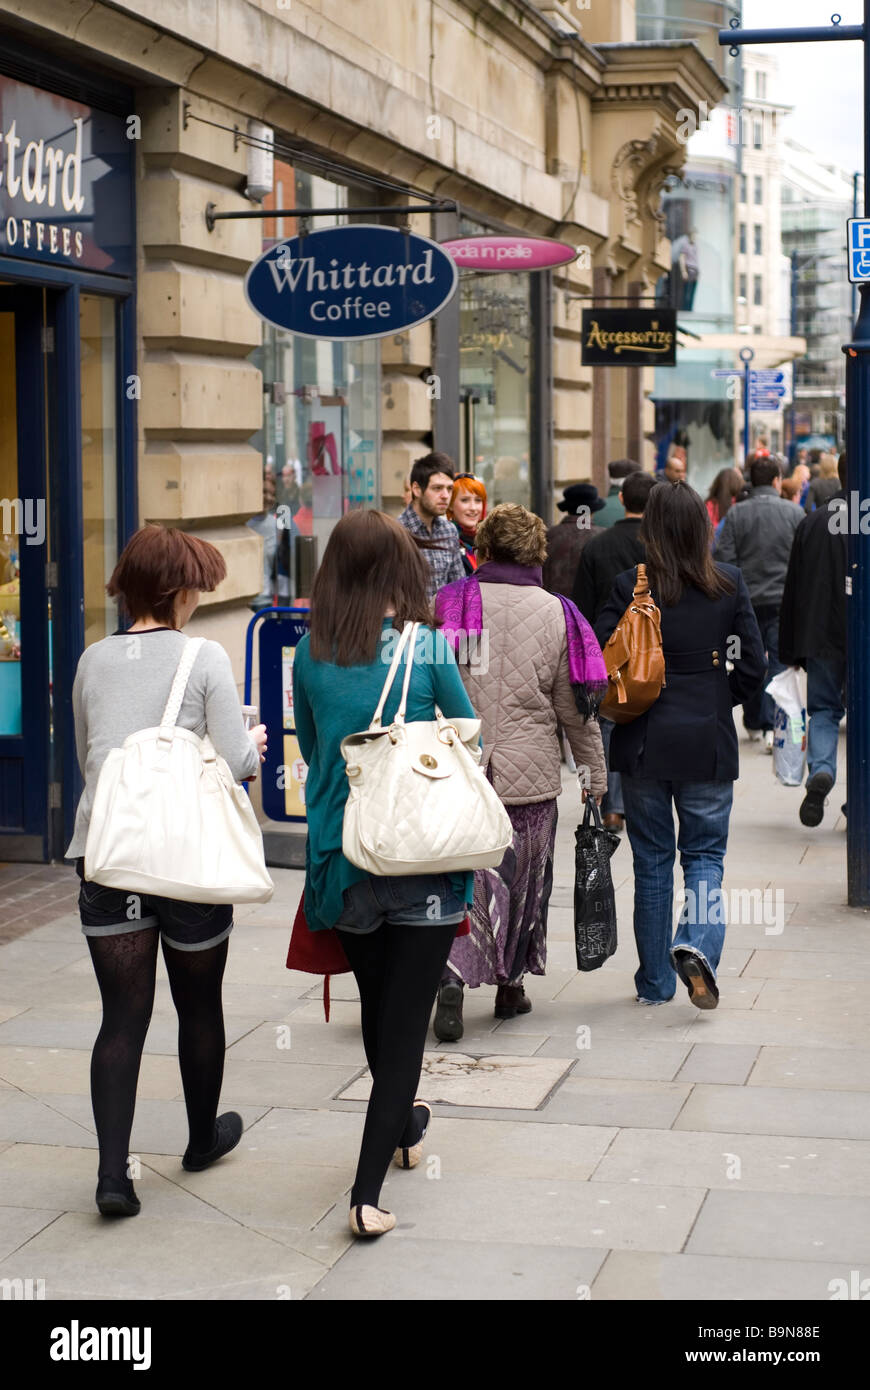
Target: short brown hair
pixel 513 534
pixel 371 563
pixel 427 466
pixel 156 564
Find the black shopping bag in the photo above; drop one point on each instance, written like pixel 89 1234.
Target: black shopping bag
pixel 594 902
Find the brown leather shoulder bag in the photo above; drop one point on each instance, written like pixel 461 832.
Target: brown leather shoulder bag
pixel 634 658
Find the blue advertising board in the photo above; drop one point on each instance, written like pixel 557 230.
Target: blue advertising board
pixel 66 182
pixel 352 282
pixel 282 775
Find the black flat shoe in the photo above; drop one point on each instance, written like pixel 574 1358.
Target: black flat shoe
pixel 228 1132
pixel 447 1024
pixel 698 980
pixel 813 805
pixel 117 1197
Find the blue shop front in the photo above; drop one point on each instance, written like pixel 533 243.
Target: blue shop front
pixel 68 391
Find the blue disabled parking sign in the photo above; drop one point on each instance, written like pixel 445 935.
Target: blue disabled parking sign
pixel 858 241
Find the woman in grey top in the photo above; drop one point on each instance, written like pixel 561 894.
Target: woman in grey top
pixel 121 686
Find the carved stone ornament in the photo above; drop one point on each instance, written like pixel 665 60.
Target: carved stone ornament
pixel 631 162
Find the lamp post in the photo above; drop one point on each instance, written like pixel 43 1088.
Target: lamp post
pixel 858 446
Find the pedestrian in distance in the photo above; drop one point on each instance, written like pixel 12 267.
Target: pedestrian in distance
pixel 725 488
pixel 606 556
pixel 396 931
pixel 825 486
pixel 466 510
pixel 543 668
pixel 681 754
pixel 432 479
pixel 812 634
pixel 617 471
pixel 757 536
pixel 565 540
pixel 121 686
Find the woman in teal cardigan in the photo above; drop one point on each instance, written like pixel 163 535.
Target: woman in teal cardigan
pixel 396 932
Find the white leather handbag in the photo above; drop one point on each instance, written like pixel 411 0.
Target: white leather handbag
pixel 169 818
pixel 419 802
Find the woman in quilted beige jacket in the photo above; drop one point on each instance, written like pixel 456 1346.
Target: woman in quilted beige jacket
pixel 529 662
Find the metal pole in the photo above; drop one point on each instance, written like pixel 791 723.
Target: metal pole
pixel 746 356
pixel 855 178
pixel 858 565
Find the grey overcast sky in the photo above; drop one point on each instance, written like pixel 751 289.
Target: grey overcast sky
pixel 822 81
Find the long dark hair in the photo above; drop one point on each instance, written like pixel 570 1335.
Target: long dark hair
pixel 370 564
pixel 726 485
pixel 676 530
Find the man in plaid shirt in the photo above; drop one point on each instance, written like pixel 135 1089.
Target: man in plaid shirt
pixel 431 489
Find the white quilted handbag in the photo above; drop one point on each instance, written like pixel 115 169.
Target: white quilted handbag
pixel 419 802
pixel 168 817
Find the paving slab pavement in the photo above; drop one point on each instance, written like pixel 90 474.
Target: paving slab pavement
pixel 590 1149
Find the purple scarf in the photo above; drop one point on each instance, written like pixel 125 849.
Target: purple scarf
pixel 459 607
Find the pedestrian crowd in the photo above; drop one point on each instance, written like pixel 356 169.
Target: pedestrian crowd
pixel 498 639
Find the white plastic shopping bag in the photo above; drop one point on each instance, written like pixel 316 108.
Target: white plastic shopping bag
pixel 789 728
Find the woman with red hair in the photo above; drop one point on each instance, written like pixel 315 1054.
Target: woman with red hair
pixel 467 509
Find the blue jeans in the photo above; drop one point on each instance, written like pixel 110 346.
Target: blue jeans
pixel 825 679
pixel 703 810
pixel 612 803
pixel 759 712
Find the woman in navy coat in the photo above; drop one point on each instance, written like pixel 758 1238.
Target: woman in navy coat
pixel 682 753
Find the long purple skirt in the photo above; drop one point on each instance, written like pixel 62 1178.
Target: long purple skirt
pixel 508 919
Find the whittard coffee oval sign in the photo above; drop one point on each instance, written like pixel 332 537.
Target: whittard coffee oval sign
pixel 358 281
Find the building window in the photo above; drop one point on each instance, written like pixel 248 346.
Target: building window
pixel 743 188
pixel 761 85
pixel 757 134
pixel 742 288
pixel 758 194
pixel 756 289
pixel 742 242
pixel 756 239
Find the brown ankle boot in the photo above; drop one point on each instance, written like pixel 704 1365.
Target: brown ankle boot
pixel 511 1000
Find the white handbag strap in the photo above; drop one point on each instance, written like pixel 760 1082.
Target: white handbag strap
pixel 409 662
pixel 409 630
pixel 179 683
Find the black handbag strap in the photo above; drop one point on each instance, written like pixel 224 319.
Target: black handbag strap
pixel 592 813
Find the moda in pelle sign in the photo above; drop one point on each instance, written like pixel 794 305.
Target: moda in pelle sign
pixel 351 282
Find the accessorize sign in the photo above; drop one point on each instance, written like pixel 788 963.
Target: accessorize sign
pixel 629 338
pixel 65 181
pixel 351 282
pixel 500 253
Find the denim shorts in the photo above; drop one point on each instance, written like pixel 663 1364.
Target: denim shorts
pixel 407 900
pixel 184 926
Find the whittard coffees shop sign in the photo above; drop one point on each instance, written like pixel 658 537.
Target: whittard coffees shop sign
pixel 351 282
pixel 65 182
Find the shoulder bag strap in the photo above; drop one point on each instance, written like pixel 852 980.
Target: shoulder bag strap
pixel 394 666
pixel 641 588
pixel 409 662
pixel 179 684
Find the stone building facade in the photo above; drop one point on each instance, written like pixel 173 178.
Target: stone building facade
pixel 539 119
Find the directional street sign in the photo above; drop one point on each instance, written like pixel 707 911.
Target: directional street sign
pixel 858 243
pixel 766 378
pixel 725 371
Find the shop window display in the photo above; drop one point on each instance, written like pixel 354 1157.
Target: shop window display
pixel 320 436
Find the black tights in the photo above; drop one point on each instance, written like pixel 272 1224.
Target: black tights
pixel 397 969
pixel 126 967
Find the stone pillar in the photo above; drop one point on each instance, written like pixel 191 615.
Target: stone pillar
pixel 201 399
pixel 634 393
pixel 600 396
